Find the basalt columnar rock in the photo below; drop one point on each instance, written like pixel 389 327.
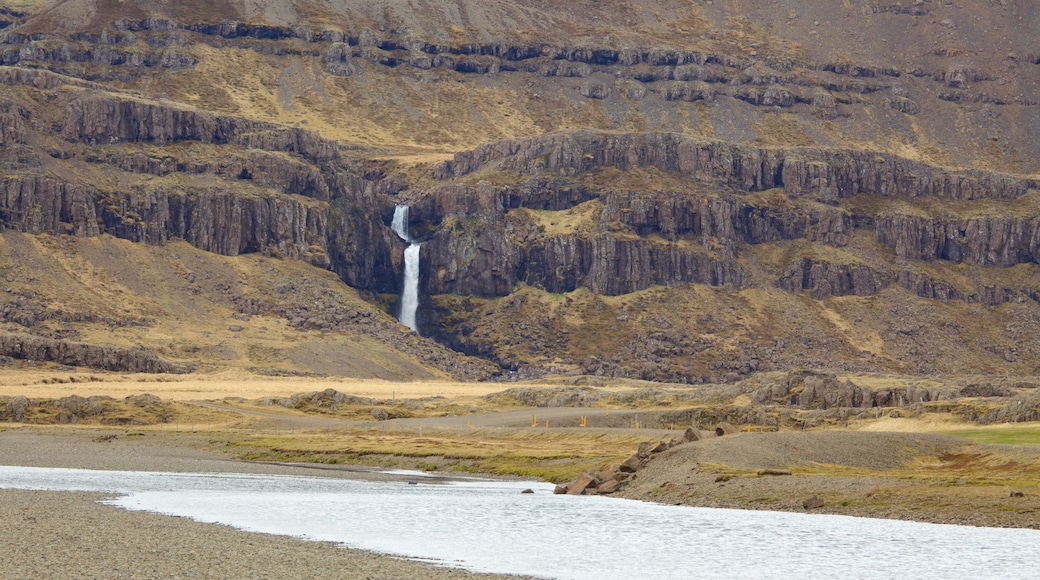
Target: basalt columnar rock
pixel 553 230
pixel 224 184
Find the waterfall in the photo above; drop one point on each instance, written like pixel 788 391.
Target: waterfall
pixel 410 293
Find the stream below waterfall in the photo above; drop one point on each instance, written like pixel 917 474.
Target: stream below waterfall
pixel 489 526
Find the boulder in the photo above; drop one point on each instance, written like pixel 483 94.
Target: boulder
pixel 17 408
pixel 691 434
pixel 380 414
pixel 724 429
pixel 631 465
pixel 608 487
pixel 560 490
pixel 578 486
pixel 812 503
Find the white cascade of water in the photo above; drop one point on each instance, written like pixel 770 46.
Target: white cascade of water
pixel 410 293
pixel 400 223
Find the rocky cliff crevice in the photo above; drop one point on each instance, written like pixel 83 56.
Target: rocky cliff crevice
pixel 257 168
pixel 613 265
pixel 672 215
pixel 485 248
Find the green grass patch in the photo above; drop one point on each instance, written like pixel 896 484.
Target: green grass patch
pixel 1025 435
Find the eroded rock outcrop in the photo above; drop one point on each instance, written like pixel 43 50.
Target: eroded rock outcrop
pixel 107 358
pixel 100 118
pixel 826 279
pixel 831 173
pixel 985 241
pixel 809 390
pixel 257 187
pixel 220 220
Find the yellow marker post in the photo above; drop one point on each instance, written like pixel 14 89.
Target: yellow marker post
pixel 546 424
pixel 637 424
pixel 534 421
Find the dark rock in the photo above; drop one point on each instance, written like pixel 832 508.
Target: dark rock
pixel 580 485
pixel 774 472
pixel 608 487
pixel 905 105
pixel 812 503
pixel 380 414
pixel 985 241
pixel 691 434
pixel 827 279
pixel 724 429
pixel 528 491
pixel 134 360
pixel 645 449
pixel 631 465
pixel 16 408
pixel 560 490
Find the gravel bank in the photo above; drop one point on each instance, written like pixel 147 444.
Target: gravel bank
pixel 908 476
pixel 71 535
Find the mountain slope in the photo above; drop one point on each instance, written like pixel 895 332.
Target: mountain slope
pixel 205 312
pixel 660 189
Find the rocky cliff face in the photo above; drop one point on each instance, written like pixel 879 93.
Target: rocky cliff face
pixel 579 212
pixel 215 219
pixel 34 348
pixel 985 241
pixel 822 173
pixel 224 184
pixel 484 241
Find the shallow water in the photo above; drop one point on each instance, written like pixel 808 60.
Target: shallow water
pixel 489 526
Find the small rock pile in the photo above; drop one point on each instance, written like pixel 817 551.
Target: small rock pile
pixel 608 482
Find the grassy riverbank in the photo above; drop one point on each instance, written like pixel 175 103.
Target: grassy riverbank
pixel 920 465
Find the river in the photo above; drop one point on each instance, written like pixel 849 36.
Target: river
pixel 489 526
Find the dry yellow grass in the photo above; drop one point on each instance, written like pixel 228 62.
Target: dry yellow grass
pixel 232 383
pixel 544 454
